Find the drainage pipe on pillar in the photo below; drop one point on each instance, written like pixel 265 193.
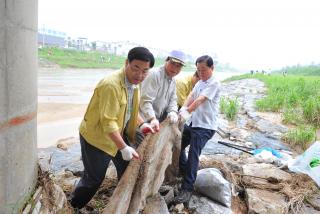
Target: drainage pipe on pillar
pixel 18 102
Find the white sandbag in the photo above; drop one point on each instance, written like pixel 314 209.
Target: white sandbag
pixel 211 183
pixel 308 163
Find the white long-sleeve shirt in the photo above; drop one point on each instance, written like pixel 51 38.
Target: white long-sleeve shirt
pixel 158 95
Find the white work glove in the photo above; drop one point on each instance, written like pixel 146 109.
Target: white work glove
pixel 146 128
pixel 173 117
pixel 184 114
pixel 155 124
pixel 128 153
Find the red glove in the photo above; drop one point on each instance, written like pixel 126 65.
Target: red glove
pixel 146 128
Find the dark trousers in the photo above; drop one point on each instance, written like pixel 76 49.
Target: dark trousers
pixel 95 162
pixel 197 139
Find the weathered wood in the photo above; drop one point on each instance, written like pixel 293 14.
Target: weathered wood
pixel 144 177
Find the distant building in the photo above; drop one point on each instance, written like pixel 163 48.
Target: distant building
pixel 50 37
pixel 82 44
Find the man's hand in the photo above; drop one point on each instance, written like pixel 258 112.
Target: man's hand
pixel 173 117
pixel 146 128
pixel 128 153
pixel 155 124
pixel 184 114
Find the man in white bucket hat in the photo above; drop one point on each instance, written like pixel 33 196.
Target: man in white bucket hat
pixel 158 91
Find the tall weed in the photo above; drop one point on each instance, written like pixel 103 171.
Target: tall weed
pixel 311 111
pixel 302 136
pixel 230 107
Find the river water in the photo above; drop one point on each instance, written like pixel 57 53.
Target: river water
pixel 60 87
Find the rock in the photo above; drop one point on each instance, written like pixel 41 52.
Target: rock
pixel 307 208
pixel 65 143
pixel 241 122
pixel 314 200
pixel 265 202
pixel 209 161
pixel 167 192
pixel 267 171
pixel 213 147
pixel 179 208
pixel 253 115
pixel 201 205
pixel 67 160
pixel 156 204
pixel 262 140
pixel 239 134
pixel 266 126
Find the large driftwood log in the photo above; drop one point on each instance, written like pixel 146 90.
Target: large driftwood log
pixel 143 178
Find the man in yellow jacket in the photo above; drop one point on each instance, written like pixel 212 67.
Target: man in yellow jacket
pixel 184 86
pixel 108 130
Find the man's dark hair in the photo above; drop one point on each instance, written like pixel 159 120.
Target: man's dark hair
pixel 196 74
pixel 141 53
pixel 205 58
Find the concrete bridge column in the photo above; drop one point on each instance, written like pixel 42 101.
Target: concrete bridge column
pixel 18 102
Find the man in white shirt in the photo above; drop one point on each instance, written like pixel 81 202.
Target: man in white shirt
pixel 200 111
pixel 158 91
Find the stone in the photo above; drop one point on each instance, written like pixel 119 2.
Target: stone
pixel 199 205
pixel 239 134
pixel 213 147
pixel 263 140
pixel 156 204
pixel 65 143
pixel 179 208
pixel 266 126
pixel 267 171
pixel 167 192
pixel 265 202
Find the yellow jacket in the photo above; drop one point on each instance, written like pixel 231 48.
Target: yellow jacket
pixel 106 113
pixel 184 87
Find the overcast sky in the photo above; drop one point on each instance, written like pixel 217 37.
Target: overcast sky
pixel 248 34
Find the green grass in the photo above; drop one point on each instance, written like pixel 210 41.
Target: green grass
pixel 80 59
pixel 302 135
pixel 67 58
pixel 310 70
pixel 297 98
pixel 229 107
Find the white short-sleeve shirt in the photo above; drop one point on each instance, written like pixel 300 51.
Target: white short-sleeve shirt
pixel 206 115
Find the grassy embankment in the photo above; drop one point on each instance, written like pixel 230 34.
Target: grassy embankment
pixel 297 98
pixel 311 70
pixel 66 58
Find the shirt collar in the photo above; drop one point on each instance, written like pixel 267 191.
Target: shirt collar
pixel 208 80
pixel 128 84
pixel 165 74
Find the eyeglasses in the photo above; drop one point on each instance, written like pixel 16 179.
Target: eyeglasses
pixel 137 69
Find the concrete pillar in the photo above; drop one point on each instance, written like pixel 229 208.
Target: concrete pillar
pixel 18 102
